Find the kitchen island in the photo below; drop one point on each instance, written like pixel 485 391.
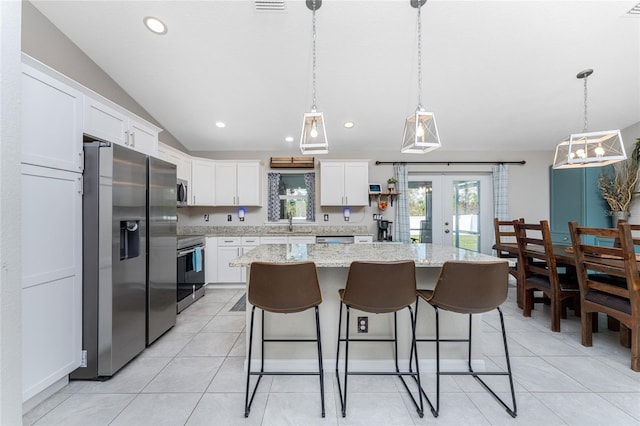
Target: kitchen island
pixel 332 262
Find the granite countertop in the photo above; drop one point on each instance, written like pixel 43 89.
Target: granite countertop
pixel 341 255
pixel 272 230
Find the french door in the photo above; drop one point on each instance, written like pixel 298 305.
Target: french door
pixel 454 210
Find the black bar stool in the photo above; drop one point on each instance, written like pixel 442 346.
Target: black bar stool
pixel 283 289
pixel 469 288
pixel 378 287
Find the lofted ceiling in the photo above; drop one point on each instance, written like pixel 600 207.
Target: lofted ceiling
pixel 499 75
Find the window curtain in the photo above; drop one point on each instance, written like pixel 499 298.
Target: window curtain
pixel 273 191
pixel 310 183
pixel 501 191
pixel 402 232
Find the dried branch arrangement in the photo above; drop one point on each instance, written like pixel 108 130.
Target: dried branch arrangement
pixel 618 187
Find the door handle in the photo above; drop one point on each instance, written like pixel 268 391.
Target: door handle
pixel 446 231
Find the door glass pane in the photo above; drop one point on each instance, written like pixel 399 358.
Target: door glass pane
pixel 466 214
pixel 421 211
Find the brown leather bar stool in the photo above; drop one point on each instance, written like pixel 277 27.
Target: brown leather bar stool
pixel 469 288
pixel 283 289
pixel 378 287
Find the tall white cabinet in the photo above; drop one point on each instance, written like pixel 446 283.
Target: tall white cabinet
pixel 51 230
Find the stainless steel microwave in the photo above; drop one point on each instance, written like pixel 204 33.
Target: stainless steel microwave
pixel 182 192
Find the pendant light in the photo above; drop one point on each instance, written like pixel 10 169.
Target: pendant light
pixel 420 130
pixel 589 149
pixel 313 139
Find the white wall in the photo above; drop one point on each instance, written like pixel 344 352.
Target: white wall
pixel 528 184
pixel 10 267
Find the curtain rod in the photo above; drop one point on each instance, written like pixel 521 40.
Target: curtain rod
pixel 448 163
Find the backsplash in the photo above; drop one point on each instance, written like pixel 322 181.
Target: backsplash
pixel 274 230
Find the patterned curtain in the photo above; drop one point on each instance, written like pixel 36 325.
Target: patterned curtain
pixel 310 183
pixel 273 195
pixel 402 232
pixel 501 191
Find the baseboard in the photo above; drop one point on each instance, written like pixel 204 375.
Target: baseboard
pixel 35 400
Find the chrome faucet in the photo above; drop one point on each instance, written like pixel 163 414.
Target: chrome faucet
pixel 290 222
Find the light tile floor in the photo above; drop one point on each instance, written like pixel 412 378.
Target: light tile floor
pixel 194 376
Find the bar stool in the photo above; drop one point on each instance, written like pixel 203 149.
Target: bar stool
pixel 378 287
pixel 284 289
pixel 469 288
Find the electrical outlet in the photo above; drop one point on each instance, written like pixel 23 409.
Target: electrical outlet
pixel 228 218
pixel 375 216
pixel 363 324
pixel 206 217
pixel 326 218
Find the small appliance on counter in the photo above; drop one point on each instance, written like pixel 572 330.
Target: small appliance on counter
pixel 191 281
pixel 384 230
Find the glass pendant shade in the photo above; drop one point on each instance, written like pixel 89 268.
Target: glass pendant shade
pixel 313 139
pixel 592 149
pixel 420 133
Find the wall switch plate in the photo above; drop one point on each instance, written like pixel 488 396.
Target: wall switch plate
pixel 363 324
pixel 228 218
pixel 326 217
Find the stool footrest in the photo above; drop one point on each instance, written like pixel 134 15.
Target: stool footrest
pixel 284 373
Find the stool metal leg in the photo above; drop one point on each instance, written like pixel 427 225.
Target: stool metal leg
pixel 414 352
pixel 320 373
pixel 320 367
pixel 247 402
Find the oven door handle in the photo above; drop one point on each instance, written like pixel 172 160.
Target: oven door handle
pixel 184 253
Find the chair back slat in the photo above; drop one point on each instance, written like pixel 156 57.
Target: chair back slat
pixel 617 262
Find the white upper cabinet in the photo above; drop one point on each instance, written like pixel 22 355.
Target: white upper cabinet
pixel 237 183
pixel 177 157
pixel 51 122
pixel 105 122
pixel 202 182
pixel 344 183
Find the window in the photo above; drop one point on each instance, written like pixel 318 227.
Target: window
pixel 291 194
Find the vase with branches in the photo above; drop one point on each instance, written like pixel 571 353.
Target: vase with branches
pixel 619 184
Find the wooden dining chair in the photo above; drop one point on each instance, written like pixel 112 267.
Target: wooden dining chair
pixel 540 272
pixel 609 281
pixel 506 247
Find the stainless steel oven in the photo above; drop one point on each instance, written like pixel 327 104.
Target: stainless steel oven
pixel 191 281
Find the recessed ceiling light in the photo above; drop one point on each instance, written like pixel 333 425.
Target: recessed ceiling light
pixel 289 139
pixel 155 25
pixel 220 124
pixel 349 124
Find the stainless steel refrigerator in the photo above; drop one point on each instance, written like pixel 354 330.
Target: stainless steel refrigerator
pixel 161 248
pixel 115 246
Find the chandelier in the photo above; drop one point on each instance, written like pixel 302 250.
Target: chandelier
pixel 313 139
pixel 589 149
pixel 420 130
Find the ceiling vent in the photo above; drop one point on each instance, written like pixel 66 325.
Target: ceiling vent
pixel 262 5
pixel 635 10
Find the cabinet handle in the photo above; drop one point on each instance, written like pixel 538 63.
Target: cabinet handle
pixel 126 137
pixel 133 139
pixel 81 161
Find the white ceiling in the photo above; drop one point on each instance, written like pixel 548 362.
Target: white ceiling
pixel 499 75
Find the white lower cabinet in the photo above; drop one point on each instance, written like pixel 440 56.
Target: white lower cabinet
pixel 301 239
pixel 276 239
pixel 210 260
pixel 51 276
pixel 363 239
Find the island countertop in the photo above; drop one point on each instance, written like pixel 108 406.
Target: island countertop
pixel 341 255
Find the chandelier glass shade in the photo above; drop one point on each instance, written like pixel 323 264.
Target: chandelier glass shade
pixel 589 149
pixel 313 138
